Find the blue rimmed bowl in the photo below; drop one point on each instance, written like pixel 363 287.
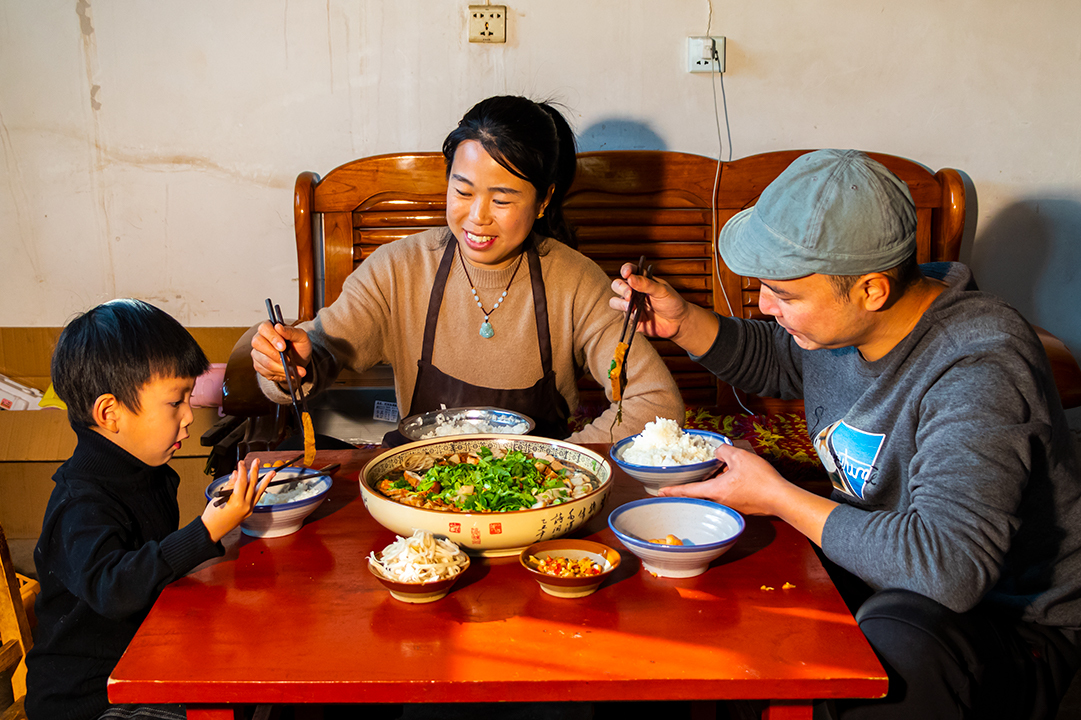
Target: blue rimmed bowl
pixel 274 519
pixel 707 530
pixel 655 477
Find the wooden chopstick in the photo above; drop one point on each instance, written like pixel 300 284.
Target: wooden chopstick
pixel 222 495
pixel 632 303
pixel 277 319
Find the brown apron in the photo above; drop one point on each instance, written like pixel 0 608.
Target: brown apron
pixel 435 389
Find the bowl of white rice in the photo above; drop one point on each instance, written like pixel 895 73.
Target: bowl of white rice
pixel 465 421
pixel 282 508
pixel 665 454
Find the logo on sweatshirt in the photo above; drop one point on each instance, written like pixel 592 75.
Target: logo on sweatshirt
pixel 848 455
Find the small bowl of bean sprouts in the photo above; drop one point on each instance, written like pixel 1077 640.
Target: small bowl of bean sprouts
pixel 419 569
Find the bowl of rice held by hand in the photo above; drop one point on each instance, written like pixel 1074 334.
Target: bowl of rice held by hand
pixel 282 508
pixel 665 454
pixel 420 568
pixel 491 494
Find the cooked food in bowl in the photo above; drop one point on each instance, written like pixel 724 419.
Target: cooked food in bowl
pixel 282 508
pixel 419 569
pixel 486 480
pixel 465 421
pixel 480 531
pixel 663 443
pixel 421 558
pixel 664 455
pixel 566 567
pixel 667 540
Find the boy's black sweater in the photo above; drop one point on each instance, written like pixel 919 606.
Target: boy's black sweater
pixel 109 545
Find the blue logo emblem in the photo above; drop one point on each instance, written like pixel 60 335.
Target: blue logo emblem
pixel 848 455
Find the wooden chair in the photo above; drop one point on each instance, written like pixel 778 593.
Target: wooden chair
pixel 624 204
pixel 15 640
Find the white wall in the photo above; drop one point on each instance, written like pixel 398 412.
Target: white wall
pixel 150 148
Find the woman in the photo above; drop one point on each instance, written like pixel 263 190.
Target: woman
pixel 496 309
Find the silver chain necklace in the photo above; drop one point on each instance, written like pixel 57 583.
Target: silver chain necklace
pixel 486 330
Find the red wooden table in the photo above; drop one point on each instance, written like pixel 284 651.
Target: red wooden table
pixel 299 619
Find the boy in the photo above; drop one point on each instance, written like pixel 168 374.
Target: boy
pixel 110 540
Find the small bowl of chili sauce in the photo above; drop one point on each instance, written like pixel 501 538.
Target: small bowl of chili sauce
pixel 567 568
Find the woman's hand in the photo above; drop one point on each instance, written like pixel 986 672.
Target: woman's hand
pixel 665 314
pixel 750 485
pixel 247 489
pixel 270 340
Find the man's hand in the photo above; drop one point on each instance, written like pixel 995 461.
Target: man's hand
pixel 269 341
pixel 665 313
pixel 750 485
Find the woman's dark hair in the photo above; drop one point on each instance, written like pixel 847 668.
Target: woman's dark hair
pixel 532 141
pixel 117 348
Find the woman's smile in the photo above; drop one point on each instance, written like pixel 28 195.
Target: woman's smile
pixel 490 210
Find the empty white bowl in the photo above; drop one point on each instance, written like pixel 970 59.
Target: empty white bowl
pixel 706 528
pixel 277 519
pixel 655 477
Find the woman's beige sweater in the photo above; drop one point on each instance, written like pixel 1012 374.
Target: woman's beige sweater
pixel 380 315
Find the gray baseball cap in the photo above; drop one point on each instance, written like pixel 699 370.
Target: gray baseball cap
pixel 834 212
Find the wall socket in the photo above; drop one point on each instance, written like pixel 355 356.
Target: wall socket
pixel 699 51
pixel 487 23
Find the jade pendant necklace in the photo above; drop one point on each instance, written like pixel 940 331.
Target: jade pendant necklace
pixel 486 330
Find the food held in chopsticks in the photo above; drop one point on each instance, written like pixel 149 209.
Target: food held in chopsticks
pixel 309 438
pixel 486 481
pixel 616 372
pixel 421 558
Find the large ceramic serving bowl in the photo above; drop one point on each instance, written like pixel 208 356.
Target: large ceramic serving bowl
pixel 706 528
pixel 451 422
pixel 275 520
pixel 655 477
pixel 490 534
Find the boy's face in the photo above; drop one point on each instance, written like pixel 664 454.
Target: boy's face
pixel 155 432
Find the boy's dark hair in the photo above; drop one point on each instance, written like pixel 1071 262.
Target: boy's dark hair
pixel 117 348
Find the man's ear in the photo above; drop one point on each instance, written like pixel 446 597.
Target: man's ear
pixel 106 412
pixel 873 291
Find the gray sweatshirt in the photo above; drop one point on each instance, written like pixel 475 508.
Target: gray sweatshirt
pixel 951 456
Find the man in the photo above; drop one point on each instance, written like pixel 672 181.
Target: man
pixel 954 528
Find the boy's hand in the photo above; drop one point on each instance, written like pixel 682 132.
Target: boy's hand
pixel 247 489
pixel 269 341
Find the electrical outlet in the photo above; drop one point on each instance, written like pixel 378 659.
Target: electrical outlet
pixel 487 23
pixel 699 50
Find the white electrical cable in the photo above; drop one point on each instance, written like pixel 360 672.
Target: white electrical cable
pixel 714 67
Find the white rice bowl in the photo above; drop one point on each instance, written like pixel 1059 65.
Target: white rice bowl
pixel 664 454
pixel 282 508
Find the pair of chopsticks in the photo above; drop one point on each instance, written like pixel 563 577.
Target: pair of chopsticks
pixel 630 320
pixel 296 392
pixel 223 494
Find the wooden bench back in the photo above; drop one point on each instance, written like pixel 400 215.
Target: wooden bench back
pixel 624 204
